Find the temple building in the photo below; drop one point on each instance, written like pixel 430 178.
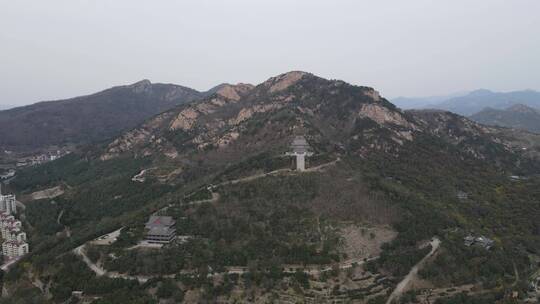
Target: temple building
pixel 160 229
pixel 300 149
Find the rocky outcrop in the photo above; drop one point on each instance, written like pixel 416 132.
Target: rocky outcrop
pixel 247 113
pixel 234 114
pixel 136 137
pixel 284 81
pixel 373 94
pixel 385 116
pixel 185 119
pixel 126 143
pixel 143 86
pixel 234 92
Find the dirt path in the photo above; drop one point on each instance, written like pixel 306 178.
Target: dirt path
pixel 251 177
pixel 94 267
pixel 215 198
pixel 59 217
pixel 516 275
pixel 405 283
pixel 322 166
pixel 256 176
pixel 20 205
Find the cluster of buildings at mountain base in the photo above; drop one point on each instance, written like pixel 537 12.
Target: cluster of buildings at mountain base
pixel 41 158
pixel 14 243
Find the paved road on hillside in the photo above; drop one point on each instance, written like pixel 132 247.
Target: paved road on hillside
pixel 311 269
pixel 404 284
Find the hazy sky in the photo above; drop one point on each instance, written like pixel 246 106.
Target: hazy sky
pixel 58 49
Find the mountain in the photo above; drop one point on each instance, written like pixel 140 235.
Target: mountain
pixel 518 116
pixel 88 118
pixel 385 192
pixel 481 99
pixel 408 103
pixel 469 103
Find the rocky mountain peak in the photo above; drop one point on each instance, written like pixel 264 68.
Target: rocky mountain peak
pixel 234 92
pixel 283 81
pixel 143 86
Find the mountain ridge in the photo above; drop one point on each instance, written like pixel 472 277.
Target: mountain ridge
pixel 517 116
pixel 475 101
pixel 88 118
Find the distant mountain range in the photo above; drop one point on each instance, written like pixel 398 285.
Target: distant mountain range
pixel 472 102
pixel 409 103
pixel 89 118
pixel 515 109
pixel 103 115
pixel 480 99
pixel 518 116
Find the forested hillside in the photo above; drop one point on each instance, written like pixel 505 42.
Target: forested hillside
pixel 382 190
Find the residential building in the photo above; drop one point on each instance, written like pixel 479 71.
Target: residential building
pixel 14 234
pixel 15 241
pixel 14 249
pixel 160 229
pixel 8 203
pixel 9 225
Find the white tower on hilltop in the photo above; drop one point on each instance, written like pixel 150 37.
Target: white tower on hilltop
pixel 300 149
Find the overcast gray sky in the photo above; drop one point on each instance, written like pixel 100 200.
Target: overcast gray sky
pixel 59 49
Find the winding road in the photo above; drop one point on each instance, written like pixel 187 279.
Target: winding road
pixel 405 283
pixel 311 269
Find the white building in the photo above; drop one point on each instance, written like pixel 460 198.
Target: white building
pixel 300 149
pixel 8 226
pixel 14 249
pixel 8 203
pixel 14 234
pixel 15 241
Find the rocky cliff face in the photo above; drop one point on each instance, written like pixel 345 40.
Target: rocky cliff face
pixel 229 114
